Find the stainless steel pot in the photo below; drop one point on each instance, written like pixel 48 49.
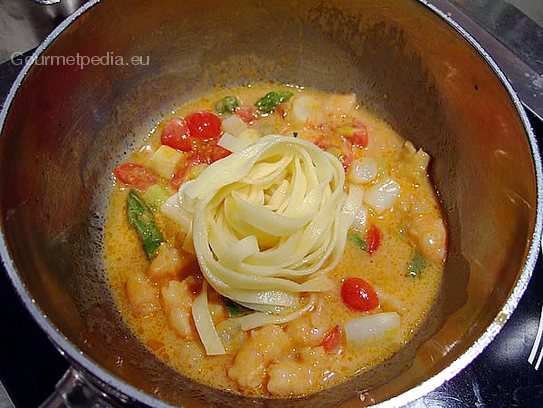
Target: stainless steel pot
pixel 108 74
pixel 54 9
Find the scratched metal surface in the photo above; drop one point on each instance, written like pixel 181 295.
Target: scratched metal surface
pixel 513 40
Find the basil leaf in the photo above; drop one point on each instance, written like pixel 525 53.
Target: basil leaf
pixel 417 264
pixel 357 241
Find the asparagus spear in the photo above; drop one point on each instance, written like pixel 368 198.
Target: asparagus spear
pixel 269 101
pixel 141 218
pixel 228 104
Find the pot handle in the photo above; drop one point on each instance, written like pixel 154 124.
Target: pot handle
pixel 47 2
pixel 74 390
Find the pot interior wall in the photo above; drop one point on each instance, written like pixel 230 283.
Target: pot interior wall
pixel 70 124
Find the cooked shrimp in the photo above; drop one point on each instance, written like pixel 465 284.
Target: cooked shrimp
pixel 424 226
pixel 170 263
pixel 303 332
pixel 430 235
pixel 178 298
pixel 412 164
pixel 289 377
pixel 248 369
pixel 298 376
pixel 423 223
pixel 142 294
pixel 262 347
pixel 310 329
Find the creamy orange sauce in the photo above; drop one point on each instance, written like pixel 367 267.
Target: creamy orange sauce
pixel 289 359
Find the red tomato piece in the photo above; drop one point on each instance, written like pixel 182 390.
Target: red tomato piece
pixel 280 111
pixel 359 295
pixel 179 177
pixel 176 134
pixel 337 145
pixel 181 174
pixel 196 159
pixel 248 114
pixel 346 159
pixel 204 125
pixel 211 151
pixel 332 340
pixel 217 153
pixel 320 143
pixel 360 137
pixel 135 175
pixel 373 239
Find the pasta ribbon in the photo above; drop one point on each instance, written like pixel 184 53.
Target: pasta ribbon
pixel 268 221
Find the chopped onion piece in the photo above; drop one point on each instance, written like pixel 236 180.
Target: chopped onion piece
pixel 358 211
pixel 231 142
pixel 249 135
pixel 353 201
pixel 234 125
pixel 363 170
pixel 176 212
pixel 381 196
pixel 360 218
pixel 381 329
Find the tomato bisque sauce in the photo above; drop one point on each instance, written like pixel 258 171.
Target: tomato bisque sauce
pixel 370 288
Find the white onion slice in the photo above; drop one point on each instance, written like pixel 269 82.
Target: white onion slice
pixel 381 329
pixel 172 209
pixel 234 125
pixel 363 170
pixel 381 196
pixel 231 142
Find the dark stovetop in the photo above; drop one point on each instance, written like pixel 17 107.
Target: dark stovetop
pixel 500 377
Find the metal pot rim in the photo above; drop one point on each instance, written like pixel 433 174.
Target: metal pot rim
pixel 115 385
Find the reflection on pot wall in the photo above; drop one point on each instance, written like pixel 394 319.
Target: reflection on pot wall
pixel 516 23
pixel 24 24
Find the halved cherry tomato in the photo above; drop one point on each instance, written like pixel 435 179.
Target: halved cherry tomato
pixel 176 134
pixel 203 125
pixel 204 152
pixel 332 340
pixel 180 175
pixel 358 295
pixel 196 159
pixel 217 152
pixel 135 175
pixel 373 239
pixel 211 151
